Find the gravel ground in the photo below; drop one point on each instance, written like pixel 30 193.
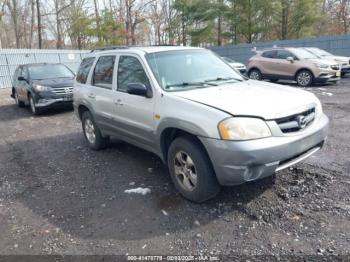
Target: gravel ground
pixel 59 197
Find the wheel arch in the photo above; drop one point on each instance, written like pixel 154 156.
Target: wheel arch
pixel 169 134
pixel 303 69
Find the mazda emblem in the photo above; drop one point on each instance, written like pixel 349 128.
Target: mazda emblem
pixel 301 121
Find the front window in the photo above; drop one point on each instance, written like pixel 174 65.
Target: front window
pixel 130 70
pixel 188 69
pixel 49 71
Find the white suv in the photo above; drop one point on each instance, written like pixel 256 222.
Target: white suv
pixel 209 125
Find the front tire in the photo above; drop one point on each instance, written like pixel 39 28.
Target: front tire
pixel 92 132
pixel 304 78
pixel 191 170
pixel 35 111
pixel 255 74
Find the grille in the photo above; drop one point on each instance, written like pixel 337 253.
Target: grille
pixel 335 67
pixel 296 122
pixel 68 90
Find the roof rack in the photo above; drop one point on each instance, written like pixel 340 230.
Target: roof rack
pixel 122 47
pixel 109 48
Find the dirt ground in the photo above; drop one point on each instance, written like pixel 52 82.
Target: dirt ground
pixel 59 197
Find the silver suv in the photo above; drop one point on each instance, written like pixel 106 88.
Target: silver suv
pixel 209 125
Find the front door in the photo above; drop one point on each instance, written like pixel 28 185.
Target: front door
pixel 134 113
pixel 285 67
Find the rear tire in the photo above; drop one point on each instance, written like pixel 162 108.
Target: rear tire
pixel 304 78
pixel 92 132
pixel 18 102
pixel 255 74
pixel 191 170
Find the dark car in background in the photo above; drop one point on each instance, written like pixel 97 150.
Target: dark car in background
pixel 42 86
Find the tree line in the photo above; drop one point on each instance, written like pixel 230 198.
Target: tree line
pixel 84 24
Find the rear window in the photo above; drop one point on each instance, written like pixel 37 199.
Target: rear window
pixel 270 54
pixel 84 69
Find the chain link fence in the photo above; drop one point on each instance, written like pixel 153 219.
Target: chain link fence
pixel 11 58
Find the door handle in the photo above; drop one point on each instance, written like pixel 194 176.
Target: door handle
pixel 92 96
pixel 119 102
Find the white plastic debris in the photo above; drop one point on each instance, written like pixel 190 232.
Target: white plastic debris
pixel 326 94
pixel 164 212
pixel 139 190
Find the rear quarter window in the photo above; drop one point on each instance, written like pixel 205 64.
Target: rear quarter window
pixel 84 69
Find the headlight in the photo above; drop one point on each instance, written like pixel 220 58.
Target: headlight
pixel 243 128
pixel 323 66
pixel 40 88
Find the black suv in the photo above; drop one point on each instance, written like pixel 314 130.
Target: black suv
pixel 42 86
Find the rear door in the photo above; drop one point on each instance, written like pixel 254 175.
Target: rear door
pixel 101 93
pixel 268 62
pixel 134 113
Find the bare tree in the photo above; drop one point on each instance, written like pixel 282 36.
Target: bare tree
pixel 40 41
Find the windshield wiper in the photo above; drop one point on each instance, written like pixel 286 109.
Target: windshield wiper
pixel 184 84
pixel 222 79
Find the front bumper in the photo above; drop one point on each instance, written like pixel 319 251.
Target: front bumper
pixel 236 162
pixel 243 71
pixel 50 99
pixel 43 103
pixel 345 70
pixel 327 76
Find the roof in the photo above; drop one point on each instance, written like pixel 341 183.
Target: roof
pixel 145 49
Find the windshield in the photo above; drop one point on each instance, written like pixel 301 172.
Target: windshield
pixel 188 69
pixel 318 52
pixel 303 54
pixel 41 72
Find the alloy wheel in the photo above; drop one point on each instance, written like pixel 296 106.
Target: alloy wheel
pixel 304 79
pixel 32 105
pixel 90 131
pixel 16 98
pixel 185 171
pixel 254 75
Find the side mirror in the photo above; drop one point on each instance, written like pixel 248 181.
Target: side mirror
pixel 290 59
pixel 139 89
pixel 21 78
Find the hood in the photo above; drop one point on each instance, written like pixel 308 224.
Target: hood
pixel 338 59
pixel 342 59
pixel 55 82
pixel 253 98
pixel 326 61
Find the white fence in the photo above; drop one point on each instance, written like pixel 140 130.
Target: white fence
pixel 11 58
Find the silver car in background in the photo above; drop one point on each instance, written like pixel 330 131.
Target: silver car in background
pixel 208 124
pixel 236 65
pixel 343 61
